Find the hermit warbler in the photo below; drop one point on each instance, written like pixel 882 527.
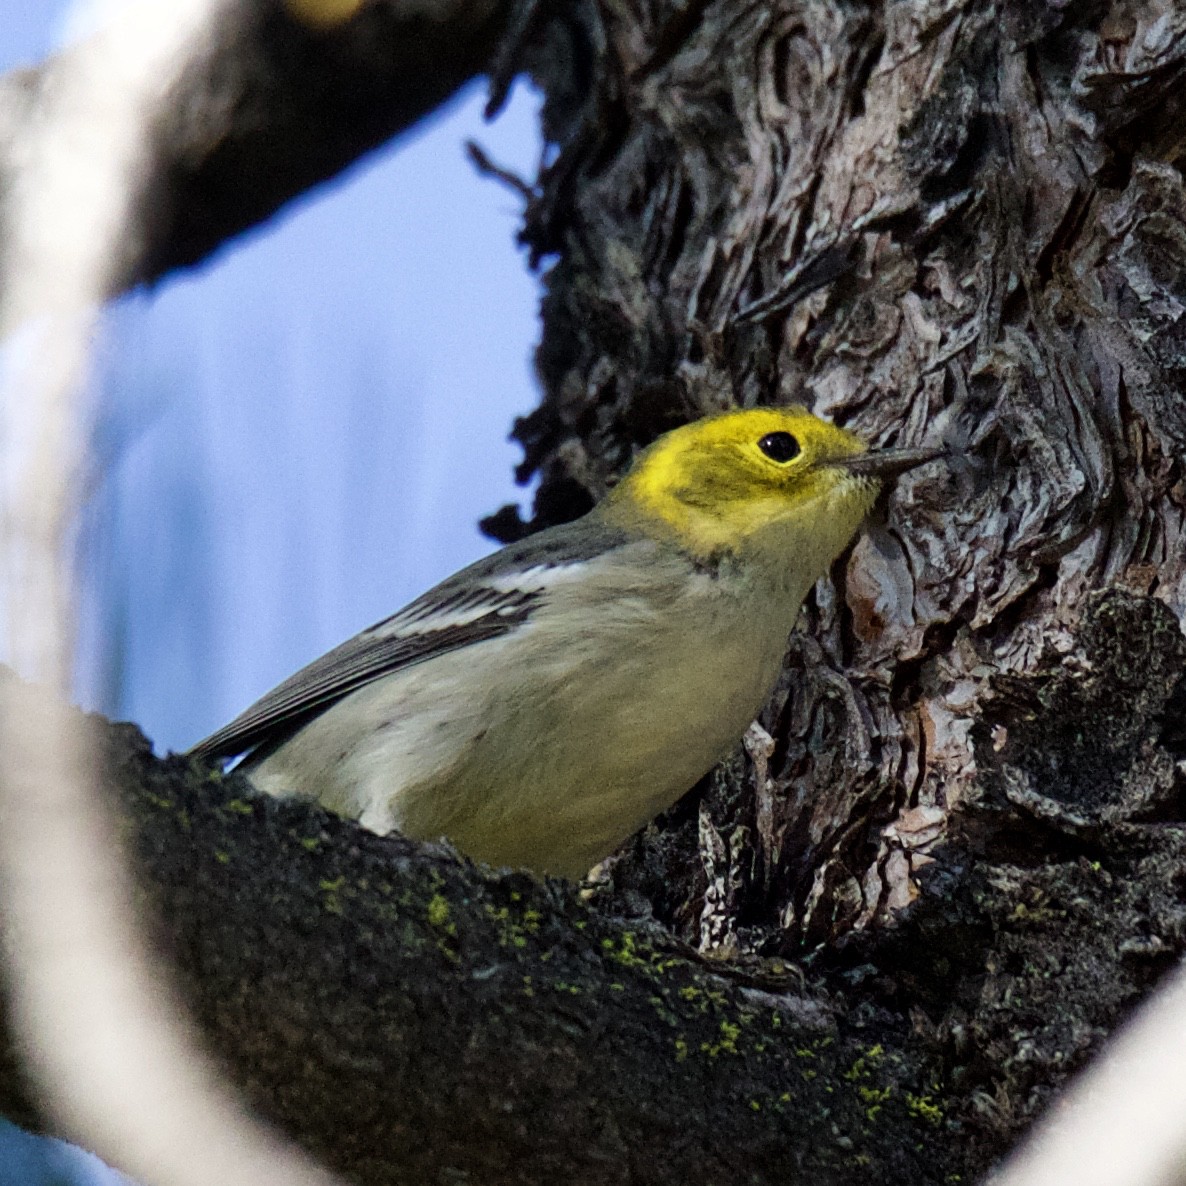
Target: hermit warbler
pixel 542 704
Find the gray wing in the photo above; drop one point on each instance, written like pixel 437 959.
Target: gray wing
pixel 463 610
pixel 410 637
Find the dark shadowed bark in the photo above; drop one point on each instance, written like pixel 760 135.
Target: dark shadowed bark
pixel 956 222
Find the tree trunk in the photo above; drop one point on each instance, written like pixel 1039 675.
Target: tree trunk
pixel 944 222
pixel 956 222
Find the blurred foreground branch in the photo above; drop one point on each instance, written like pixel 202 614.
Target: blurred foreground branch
pixel 1123 1123
pixel 95 1024
pixel 288 104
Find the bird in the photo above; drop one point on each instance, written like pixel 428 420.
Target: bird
pixel 543 704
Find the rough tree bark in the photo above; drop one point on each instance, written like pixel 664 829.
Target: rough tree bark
pixel 949 220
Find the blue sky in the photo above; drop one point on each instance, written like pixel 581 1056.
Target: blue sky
pixel 300 435
pixel 297 437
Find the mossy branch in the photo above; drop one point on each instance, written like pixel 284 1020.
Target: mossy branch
pixel 409 1017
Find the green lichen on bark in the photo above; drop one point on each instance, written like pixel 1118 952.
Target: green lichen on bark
pixel 364 991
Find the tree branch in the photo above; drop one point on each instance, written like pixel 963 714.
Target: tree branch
pixel 285 106
pixel 407 1016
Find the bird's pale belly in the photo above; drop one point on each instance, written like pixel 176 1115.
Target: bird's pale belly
pixel 556 766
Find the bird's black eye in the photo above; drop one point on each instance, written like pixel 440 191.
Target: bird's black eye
pixel 779 446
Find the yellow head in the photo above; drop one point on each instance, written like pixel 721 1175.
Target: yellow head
pixel 775 485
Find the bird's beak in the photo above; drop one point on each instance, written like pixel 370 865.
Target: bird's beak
pixel 888 463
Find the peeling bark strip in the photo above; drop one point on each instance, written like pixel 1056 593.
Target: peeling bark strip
pixel 279 107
